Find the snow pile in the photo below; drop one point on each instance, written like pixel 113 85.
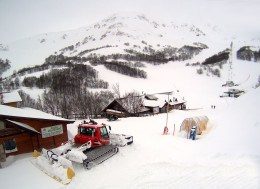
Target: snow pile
pixel 69 151
pixel 76 155
pixel 120 139
pixel 63 149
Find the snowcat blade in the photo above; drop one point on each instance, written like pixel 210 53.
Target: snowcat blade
pixel 56 166
pixel 98 155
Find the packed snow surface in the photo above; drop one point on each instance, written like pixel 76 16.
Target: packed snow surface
pixel 225 156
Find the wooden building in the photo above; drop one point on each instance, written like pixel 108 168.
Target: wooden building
pixel 24 129
pixel 177 105
pixel 159 103
pixel 11 98
pixel 119 108
pixel 147 105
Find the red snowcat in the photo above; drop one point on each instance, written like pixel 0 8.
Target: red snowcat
pixel 101 143
pixel 92 145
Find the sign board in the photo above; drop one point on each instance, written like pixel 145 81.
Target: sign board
pixel 51 131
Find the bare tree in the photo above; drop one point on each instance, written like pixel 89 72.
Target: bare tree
pixel 133 102
pixel 116 90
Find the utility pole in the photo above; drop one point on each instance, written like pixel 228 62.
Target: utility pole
pixel 167 111
pixel 230 63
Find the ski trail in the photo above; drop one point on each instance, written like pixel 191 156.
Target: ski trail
pixel 224 175
pixel 248 77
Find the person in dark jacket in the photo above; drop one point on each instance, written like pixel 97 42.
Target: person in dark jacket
pixel 193 132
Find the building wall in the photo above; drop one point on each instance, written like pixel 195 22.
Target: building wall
pixel 50 141
pixel 27 141
pixel 23 143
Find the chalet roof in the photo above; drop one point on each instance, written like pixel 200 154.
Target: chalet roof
pixel 29 113
pixel 162 99
pixel 11 97
pixel 150 97
pixel 123 104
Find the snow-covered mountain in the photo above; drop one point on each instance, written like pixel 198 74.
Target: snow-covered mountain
pixel 134 32
pixel 111 35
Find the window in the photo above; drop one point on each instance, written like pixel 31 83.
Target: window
pixel 104 132
pixel 2 125
pixel 87 131
pixel 10 146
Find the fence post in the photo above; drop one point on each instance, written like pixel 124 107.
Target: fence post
pixel 2 155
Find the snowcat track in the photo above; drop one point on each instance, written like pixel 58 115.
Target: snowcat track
pixel 98 155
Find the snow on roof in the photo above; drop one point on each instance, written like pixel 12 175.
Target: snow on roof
pixel 11 97
pixel 28 113
pixel 161 100
pixel 152 103
pixel 177 102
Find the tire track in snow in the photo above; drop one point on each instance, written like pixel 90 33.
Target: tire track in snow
pixel 220 175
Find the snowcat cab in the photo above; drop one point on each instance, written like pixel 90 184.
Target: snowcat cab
pixel 97 134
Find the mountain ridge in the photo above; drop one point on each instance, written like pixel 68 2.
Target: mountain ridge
pixel 116 30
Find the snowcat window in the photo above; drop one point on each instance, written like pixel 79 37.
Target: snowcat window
pixel 87 131
pixel 104 132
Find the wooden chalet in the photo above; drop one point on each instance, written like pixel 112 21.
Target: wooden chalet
pixel 151 104
pixel 10 98
pixel 118 108
pixel 24 129
pixel 159 103
pixel 173 104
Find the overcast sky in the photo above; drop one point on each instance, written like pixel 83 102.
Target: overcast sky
pixel 24 18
